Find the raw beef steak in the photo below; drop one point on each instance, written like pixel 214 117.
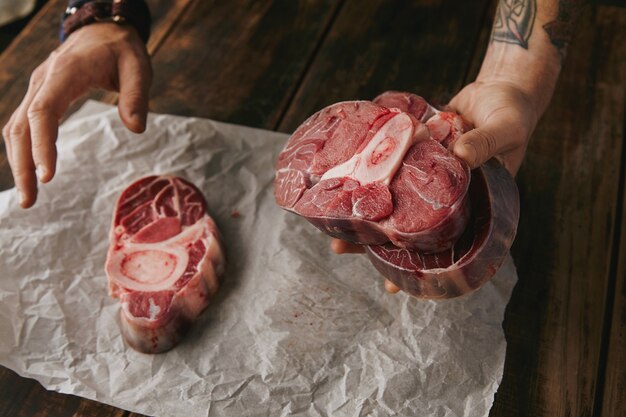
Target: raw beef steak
pixel 360 171
pixel 475 257
pixel 380 173
pixel 164 260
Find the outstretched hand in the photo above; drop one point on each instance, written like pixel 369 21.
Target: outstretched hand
pixel 105 55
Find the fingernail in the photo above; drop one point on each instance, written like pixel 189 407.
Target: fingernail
pixel 139 119
pixel 467 152
pixel 21 197
pixel 40 171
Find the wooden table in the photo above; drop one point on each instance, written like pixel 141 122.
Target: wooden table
pixel 270 64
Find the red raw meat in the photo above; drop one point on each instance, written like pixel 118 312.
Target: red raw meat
pixel 476 255
pixel 380 173
pixel 360 171
pixel 164 261
pixel 444 126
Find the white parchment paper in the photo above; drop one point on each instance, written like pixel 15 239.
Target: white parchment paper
pixel 294 331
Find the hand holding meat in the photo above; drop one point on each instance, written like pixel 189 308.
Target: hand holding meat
pixel 504 117
pixel 511 92
pixel 107 56
pixel 380 173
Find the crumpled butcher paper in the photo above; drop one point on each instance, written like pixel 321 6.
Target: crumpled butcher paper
pixel 294 331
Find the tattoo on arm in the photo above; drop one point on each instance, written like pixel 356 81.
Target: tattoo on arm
pixel 515 18
pixel 514 22
pixel 560 30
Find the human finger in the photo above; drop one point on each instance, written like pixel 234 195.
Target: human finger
pixel 20 115
pixel 59 88
pixel 480 144
pixel 5 136
pixel 390 287
pixel 18 144
pixel 135 76
pixel 22 164
pixel 340 247
pixel 20 112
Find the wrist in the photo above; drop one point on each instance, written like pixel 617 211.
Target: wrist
pixel 80 13
pixel 534 74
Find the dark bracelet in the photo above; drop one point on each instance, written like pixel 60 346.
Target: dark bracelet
pixel 80 13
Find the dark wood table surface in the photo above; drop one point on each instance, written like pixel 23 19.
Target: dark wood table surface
pixel 270 64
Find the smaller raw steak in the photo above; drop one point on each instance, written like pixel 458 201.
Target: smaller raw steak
pixel 164 261
pixel 475 257
pixel 370 174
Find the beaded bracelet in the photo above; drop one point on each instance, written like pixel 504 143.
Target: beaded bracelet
pixel 80 13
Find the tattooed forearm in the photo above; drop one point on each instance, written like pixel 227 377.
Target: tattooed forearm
pixel 514 22
pixel 560 30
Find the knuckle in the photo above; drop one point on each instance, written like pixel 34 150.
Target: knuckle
pixel 38 147
pixel 53 55
pixel 17 130
pixel 37 76
pixel 488 142
pixel 492 144
pixel 22 173
pixel 37 108
pixel 62 61
pixel 6 130
pixel 134 96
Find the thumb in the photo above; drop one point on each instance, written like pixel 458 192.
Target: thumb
pixel 135 76
pixel 480 144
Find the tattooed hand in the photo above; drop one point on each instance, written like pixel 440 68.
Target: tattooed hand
pixel 516 80
pixel 514 86
pixel 504 117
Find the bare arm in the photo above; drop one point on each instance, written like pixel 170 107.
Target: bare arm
pixel 516 81
pixel 514 87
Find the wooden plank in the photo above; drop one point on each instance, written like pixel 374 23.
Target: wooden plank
pixel 614 389
pixel 249 64
pixel 614 399
pixel 569 185
pixel 419 46
pixel 483 42
pixel 26 398
pixel 8 31
pixel 35 43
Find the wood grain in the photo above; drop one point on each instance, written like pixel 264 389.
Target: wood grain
pixel 483 42
pixel 8 31
pixel 614 389
pixel 246 67
pixel 569 185
pixel 418 46
pixel 22 397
